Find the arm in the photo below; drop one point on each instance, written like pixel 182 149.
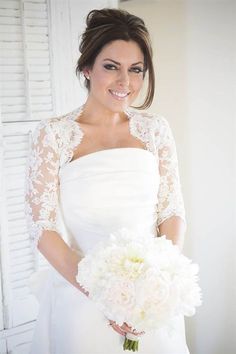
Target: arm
pixel 41 204
pixel 171 213
pixel 60 256
pixel 174 229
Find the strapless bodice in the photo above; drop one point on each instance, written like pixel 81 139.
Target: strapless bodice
pixel 106 190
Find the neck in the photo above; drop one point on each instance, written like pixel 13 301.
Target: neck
pixel 99 115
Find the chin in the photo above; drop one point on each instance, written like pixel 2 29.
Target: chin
pixel 121 107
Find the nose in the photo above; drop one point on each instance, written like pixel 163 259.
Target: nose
pixel 123 78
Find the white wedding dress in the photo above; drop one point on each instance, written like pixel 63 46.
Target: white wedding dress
pixel 86 199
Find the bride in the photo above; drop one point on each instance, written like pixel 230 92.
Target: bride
pixel 103 166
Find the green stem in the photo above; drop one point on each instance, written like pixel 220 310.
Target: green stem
pixel 130 345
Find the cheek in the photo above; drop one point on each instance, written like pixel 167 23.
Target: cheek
pixel 102 82
pixel 138 82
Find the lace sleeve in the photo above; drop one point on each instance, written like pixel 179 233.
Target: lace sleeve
pixel 41 188
pixel 170 199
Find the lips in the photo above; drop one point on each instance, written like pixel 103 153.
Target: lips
pixel 119 94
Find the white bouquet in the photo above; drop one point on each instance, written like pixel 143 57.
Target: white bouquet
pixel 139 279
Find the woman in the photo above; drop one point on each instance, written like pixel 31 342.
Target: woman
pixel 103 166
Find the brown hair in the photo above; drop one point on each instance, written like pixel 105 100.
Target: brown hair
pixel 107 25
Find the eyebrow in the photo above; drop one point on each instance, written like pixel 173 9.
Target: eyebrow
pixel 116 62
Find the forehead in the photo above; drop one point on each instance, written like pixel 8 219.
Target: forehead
pixel 122 51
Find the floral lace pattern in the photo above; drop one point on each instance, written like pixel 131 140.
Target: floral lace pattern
pixel 53 144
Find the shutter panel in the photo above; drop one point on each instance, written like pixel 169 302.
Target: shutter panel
pixel 25 95
pixel 18 260
pixel 1 299
pixel 3 346
pixel 26 80
pixel 1 203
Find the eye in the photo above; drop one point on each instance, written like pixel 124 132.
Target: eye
pixel 136 69
pixel 110 67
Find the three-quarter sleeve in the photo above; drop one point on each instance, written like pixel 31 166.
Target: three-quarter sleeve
pixel 42 183
pixel 170 198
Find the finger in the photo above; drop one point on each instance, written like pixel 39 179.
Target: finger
pixel 118 329
pixel 126 328
pixel 129 329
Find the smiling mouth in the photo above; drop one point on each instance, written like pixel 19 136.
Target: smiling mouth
pixel 119 95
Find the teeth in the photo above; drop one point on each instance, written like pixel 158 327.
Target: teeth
pixel 119 94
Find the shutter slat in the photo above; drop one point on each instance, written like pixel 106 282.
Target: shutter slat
pixel 37 46
pixel 11 45
pixel 15 205
pixel 36 38
pixel 9 13
pixel 10 21
pixel 12 93
pixel 38 1
pixel 35 7
pixel 14 154
pixel 15 216
pixel 39 69
pixel 12 77
pixel 17 100
pixel 12 139
pixel 11 37
pixel 36 30
pixel 11 54
pixel 10 29
pixel 16 261
pixel 39 61
pixel 11 85
pixel 16 231
pixel 40 84
pixel 35 14
pixel 42 92
pixel 42 115
pixel 17 60
pixel 15 117
pixel 38 54
pixel 10 164
pixel 20 254
pixel 41 107
pixel 34 76
pixel 41 99
pixel 19 279
pixel 6 4
pixel 18 271
pixel 10 108
pixel 36 22
pixel 17 246
pixel 16 69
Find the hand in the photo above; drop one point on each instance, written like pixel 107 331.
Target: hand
pixel 125 328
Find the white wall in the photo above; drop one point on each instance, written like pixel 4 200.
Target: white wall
pixel 211 114
pixel 194 45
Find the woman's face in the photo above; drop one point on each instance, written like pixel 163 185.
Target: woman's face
pixel 117 75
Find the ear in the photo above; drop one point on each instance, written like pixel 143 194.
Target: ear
pixel 86 74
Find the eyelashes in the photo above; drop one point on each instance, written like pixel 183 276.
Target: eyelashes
pixel 109 67
pixel 135 69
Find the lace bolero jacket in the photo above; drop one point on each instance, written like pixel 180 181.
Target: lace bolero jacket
pixel 53 144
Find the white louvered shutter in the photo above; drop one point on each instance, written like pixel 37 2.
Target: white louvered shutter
pixel 25 97
pixel 18 261
pixel 1 299
pixel 1 203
